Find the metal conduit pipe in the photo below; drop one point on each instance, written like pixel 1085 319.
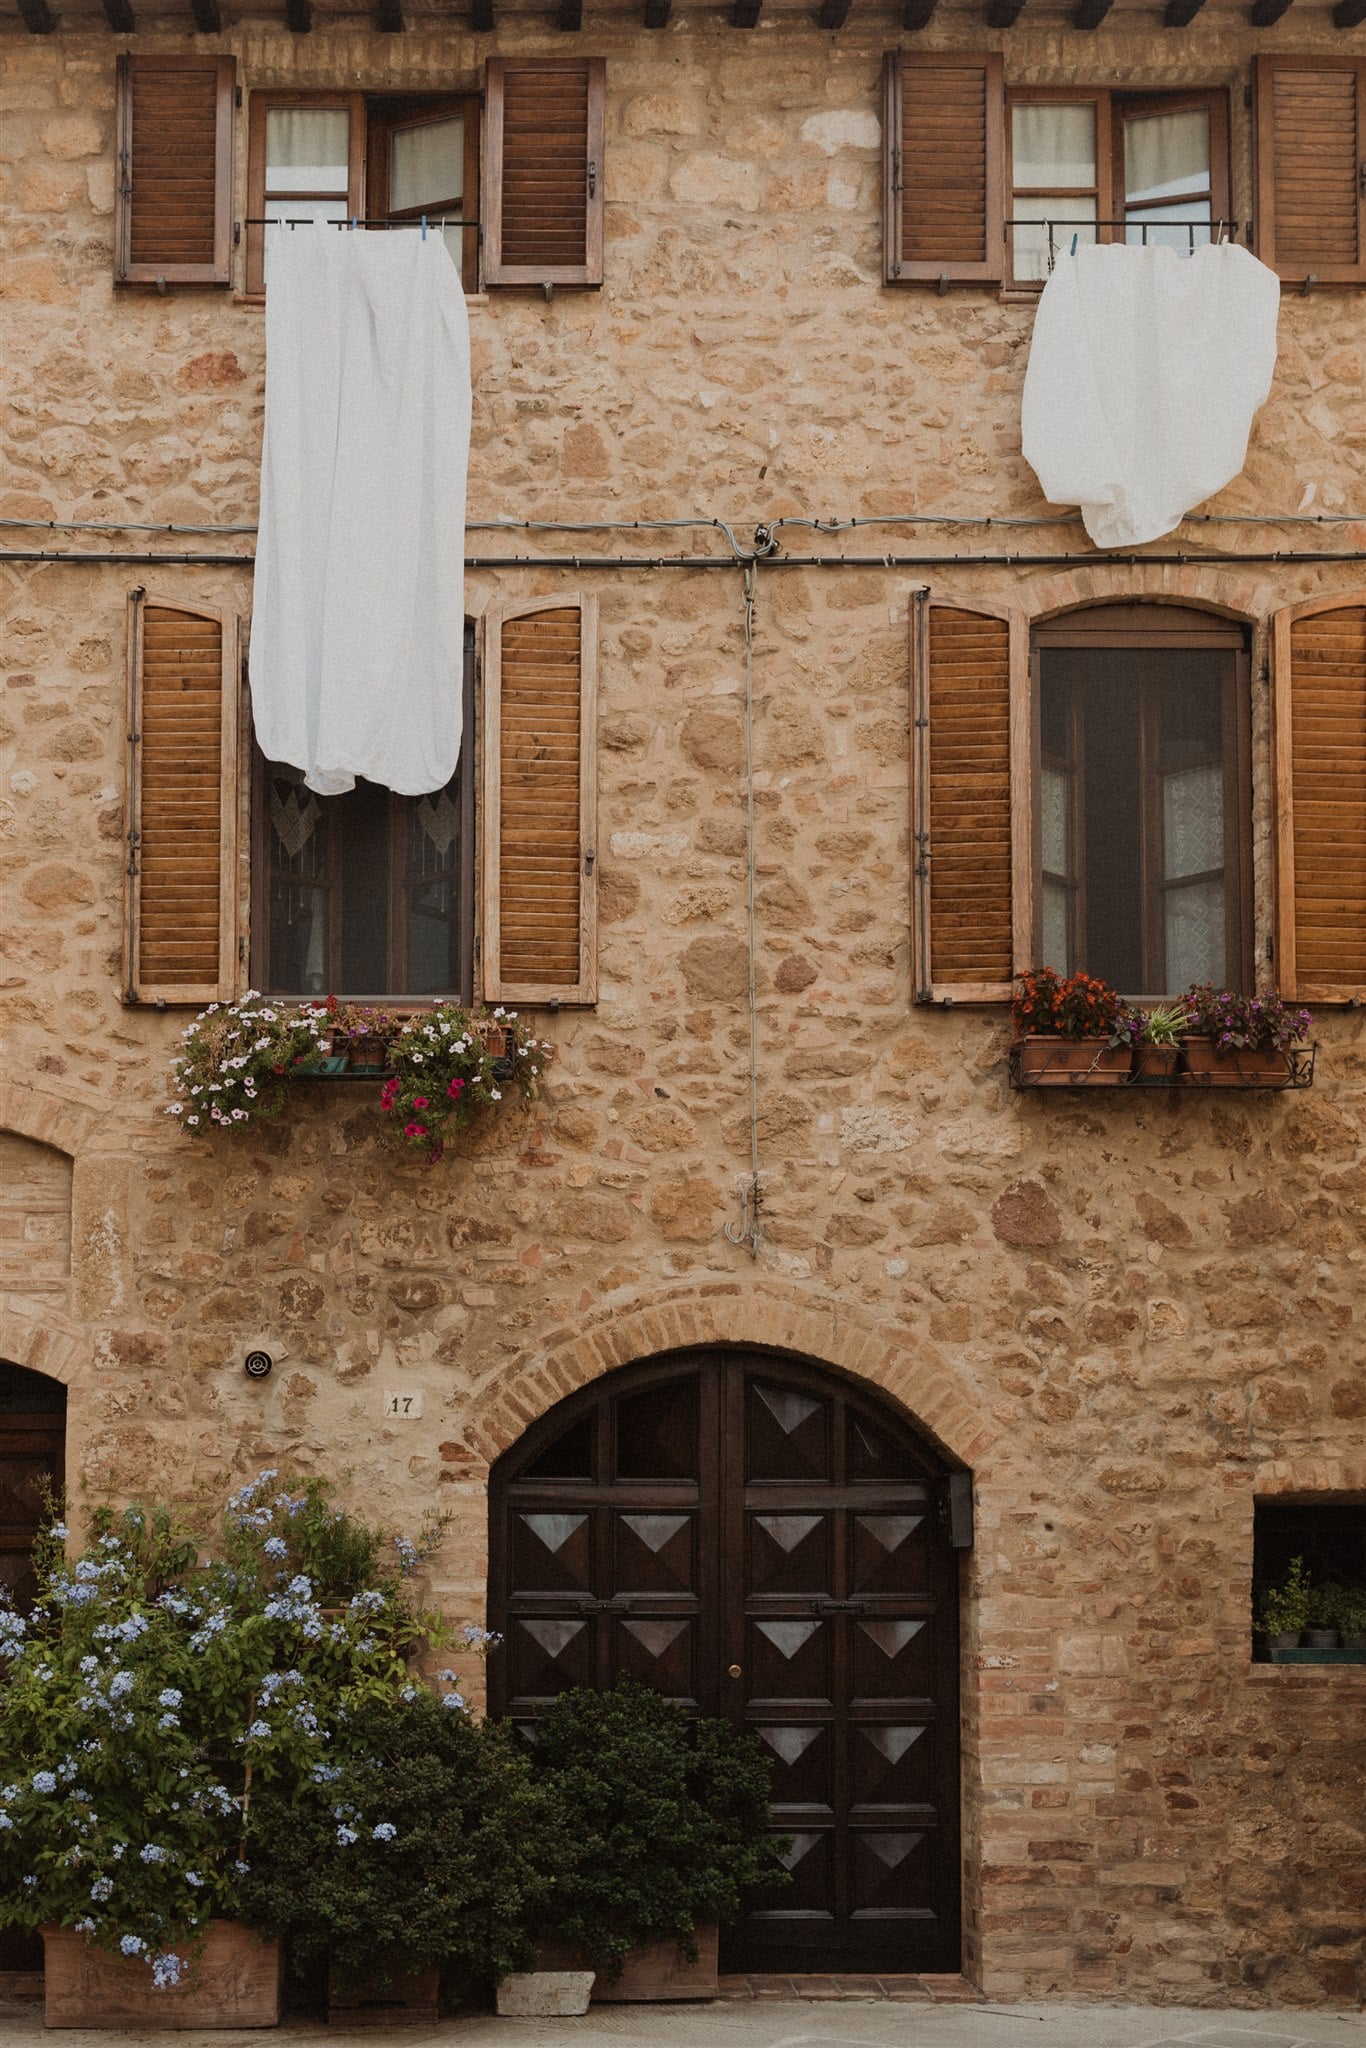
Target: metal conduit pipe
pixel 1187 559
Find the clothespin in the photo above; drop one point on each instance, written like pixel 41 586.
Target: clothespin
pixel 353 224
pixel 424 227
pixel 1073 250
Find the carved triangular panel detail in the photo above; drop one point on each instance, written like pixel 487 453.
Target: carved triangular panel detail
pixel 554 1637
pixel 892 1742
pixel 890 1531
pixel 655 1531
pixel 789 1410
pixel 787 1637
pixel 554 1530
pixel 656 1636
pixel 891 1637
pixel 788 1531
pixel 789 1743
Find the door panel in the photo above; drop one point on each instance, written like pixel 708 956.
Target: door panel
pixel 757 1539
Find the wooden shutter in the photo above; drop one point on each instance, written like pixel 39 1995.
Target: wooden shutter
pixel 1311 167
pixel 543 171
pixel 173 219
pixel 182 803
pixel 943 200
pixel 1319 782
pixel 540 802
pixel 973 841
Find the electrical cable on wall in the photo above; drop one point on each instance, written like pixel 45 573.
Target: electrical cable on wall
pixel 749 1230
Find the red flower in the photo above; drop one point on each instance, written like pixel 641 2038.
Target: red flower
pixel 415 1130
pixel 420 1102
pixel 456 1086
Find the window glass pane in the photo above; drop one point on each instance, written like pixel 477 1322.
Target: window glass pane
pixel 433 852
pixel 363 834
pixel 1195 934
pixel 1193 821
pixel 1147 229
pixel 298 885
pixel 1053 145
pixel 1036 246
pixel 307 149
pixel 427 165
pixel 1166 156
pixel 1053 798
pixel 1056 951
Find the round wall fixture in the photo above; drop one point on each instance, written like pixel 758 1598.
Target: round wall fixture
pixel 257 1364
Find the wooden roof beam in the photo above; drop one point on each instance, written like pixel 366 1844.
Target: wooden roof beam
pixel 390 20
pixel 1181 13
pixel 39 19
pixel 1091 13
pixel 1004 13
pixel 207 19
pixel 481 17
pixel 834 13
pixel 745 13
pixel 1266 13
pixel 299 16
pixel 119 15
pixel 570 16
pixel 1349 13
pixel 657 13
pixel 917 14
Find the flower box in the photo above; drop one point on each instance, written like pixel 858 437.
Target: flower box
pixel 1047 1061
pixel 385 1993
pixel 1211 1066
pixel 234 1981
pixel 1155 1066
pixel 656 1972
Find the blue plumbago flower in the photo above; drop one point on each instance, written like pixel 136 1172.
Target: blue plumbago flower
pixel 241 1868
pixel 60 1531
pixel 87 1570
pixel 133 1945
pixel 449 1677
pixel 168 1721
pixel 117 1850
pixel 478 1638
pixel 175 1603
pixel 102 1889
pixel 129 1631
pixel 86 1926
pixel 168 1697
pixel 326 1774
pixel 214 1625
pixel 275 1546
pixel 44 1781
pixel 452 1699
pixel 5 1821
pixel 408 1559
pixel 90 1665
pixel 166 1970
pixel 369 1602
pixel 193 1877
pixel 259 1731
pixel 152 1852
pixel 346 1836
pixel 385 1831
pixel 121 1684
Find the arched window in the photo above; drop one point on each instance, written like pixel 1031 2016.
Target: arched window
pixel 32 1461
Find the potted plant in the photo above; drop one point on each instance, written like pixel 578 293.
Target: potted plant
pixel 1352 1618
pixel 1232 1040
pixel 1070 1031
pixel 238 1059
pixel 363 1035
pixel 412 1849
pixel 443 1072
pixel 1157 1042
pixel 146 1698
pixel 1323 1631
pixel 658 1824
pixel 1285 1608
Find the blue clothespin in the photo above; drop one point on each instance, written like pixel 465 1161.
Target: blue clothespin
pixel 353 223
pixel 424 227
pixel 1073 249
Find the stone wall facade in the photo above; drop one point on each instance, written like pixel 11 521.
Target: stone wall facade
pixel 1129 1316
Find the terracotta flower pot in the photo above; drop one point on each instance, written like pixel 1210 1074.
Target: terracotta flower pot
pixel 1209 1066
pixel 1156 1064
pixel 234 1982
pixel 388 1992
pixel 1050 1062
pixel 1287 1639
pixel 654 1972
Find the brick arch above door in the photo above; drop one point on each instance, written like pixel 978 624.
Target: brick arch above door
pixel 38 1337
pixel 913 1373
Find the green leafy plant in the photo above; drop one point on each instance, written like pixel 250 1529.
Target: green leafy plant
pixel 238 1059
pixel 444 1071
pixel 417 1839
pixel 1327 1604
pixel 655 1824
pixel 1285 1608
pixel 152 1693
pixel 1352 1612
pixel 1164 1025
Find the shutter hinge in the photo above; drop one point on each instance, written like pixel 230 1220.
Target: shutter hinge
pixel 237 96
pixel 1270 947
pixel 237 234
pixel 588 860
pixel 241 949
pixel 896 169
pixel 592 177
pixel 1361 176
pixel 922 725
pixel 478 948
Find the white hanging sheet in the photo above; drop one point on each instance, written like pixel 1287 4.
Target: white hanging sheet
pixel 1145 369
pixel 357 636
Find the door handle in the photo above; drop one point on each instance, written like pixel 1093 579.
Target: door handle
pixel 734 1671
pixel 839 1606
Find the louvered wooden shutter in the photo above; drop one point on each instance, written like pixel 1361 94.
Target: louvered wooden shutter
pixel 1311 167
pixel 943 202
pixel 182 803
pixel 973 859
pixel 543 171
pixel 1320 798
pixel 173 217
pixel 540 803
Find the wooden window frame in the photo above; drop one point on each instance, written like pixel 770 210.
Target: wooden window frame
pixel 178 275
pixel 1113 110
pixel 496 987
pixel 896 272
pixel 497 273
pixel 1283 801
pixel 135 989
pixel 1264 70
pixel 370 114
pixel 400 810
pixel 1022 864
pixel 1137 626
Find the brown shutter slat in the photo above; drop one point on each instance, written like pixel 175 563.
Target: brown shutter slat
pixel 943 202
pixel 971 786
pixel 540 811
pixel 173 221
pixel 543 171
pixel 181 800
pixel 1311 149
pixel 1320 793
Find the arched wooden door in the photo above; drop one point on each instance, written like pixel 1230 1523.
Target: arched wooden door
pixel 760 1539
pixel 32 1457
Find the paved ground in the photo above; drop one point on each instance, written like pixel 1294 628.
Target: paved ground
pixel 798 2024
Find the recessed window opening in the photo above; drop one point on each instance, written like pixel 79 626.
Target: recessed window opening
pixel 1143 799
pixel 1327 1537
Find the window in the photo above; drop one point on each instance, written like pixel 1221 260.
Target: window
pixel 368 893
pixel 173 202
pixel 1113 167
pixel 1142 801
pixel 1328 1537
pixel 343 156
pixel 1082 798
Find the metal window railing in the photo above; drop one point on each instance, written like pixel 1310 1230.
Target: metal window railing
pixel 1064 235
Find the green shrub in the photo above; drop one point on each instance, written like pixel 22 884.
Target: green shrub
pixel 1285 1608
pixel 655 1824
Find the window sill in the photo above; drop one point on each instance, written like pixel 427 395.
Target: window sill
pixel 1357 1657
pixel 259 299
pixel 1044 1064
